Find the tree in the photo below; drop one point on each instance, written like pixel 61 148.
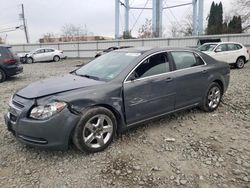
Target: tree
pixel 71 31
pixel 215 20
pixel 145 31
pixel 235 25
pixel 242 8
pixel 127 35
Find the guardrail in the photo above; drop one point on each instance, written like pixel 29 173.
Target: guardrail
pixel 87 49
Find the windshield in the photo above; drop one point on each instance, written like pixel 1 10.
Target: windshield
pixel 108 66
pixel 207 47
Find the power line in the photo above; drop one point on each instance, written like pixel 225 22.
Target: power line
pixel 11 29
pixel 139 15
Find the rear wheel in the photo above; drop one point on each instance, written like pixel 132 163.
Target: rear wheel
pixel 29 60
pixel 212 98
pixel 240 62
pixel 2 76
pixel 56 58
pixel 95 131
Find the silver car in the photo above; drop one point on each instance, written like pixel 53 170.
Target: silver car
pixel 44 54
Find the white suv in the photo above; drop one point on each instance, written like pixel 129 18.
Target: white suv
pixel 230 52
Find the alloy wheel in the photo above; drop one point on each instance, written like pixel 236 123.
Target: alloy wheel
pixel 240 63
pixel 98 131
pixel 214 96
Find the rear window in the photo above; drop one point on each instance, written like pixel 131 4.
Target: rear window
pixel 6 52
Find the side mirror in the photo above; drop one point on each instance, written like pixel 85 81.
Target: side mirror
pixel 218 50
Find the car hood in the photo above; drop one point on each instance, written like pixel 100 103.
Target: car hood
pixel 56 85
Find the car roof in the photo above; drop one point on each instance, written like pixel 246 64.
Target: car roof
pixel 222 43
pixel 143 50
pixel 5 46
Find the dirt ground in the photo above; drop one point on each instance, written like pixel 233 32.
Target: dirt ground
pixel 187 149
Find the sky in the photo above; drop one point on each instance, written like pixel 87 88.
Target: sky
pixel 49 16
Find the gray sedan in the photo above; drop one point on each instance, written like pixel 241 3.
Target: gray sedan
pixel 113 93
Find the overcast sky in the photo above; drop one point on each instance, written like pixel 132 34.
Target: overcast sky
pixel 48 16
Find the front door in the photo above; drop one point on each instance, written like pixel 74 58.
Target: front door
pixel 39 55
pixel 221 53
pixel 149 90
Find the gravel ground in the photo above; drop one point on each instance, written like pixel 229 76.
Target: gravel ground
pixel 187 149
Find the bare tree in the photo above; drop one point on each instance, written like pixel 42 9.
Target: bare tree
pixel 243 9
pixel 145 31
pixel 184 28
pixel 70 31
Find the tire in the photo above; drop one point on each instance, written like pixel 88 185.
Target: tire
pixel 29 60
pixel 212 98
pixel 95 131
pixel 240 63
pixel 2 76
pixel 56 58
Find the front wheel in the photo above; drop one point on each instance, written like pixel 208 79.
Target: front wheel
pixel 212 98
pixel 240 63
pixel 56 58
pixel 2 76
pixel 95 131
pixel 29 60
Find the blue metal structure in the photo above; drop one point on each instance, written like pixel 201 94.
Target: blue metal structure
pixel 157 8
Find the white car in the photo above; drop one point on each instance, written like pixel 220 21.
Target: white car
pixel 44 54
pixel 229 52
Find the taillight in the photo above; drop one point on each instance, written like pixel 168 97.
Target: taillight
pixel 9 60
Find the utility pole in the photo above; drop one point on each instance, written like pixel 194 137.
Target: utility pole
pixel 24 24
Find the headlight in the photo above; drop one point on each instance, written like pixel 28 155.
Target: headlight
pixel 46 111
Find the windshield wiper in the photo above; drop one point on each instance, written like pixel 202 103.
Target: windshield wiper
pixel 88 76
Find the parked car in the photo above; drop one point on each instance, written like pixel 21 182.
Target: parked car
pixel 110 49
pixel 202 41
pixel 43 54
pixel 9 63
pixel 230 52
pixel 112 93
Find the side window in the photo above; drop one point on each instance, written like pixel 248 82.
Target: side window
pixel 238 46
pixel 40 51
pixel 221 48
pixel 49 50
pixel 154 65
pixel 199 61
pixel 231 47
pixel 186 60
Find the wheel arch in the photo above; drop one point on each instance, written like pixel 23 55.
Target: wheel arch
pixel 241 56
pixel 220 84
pixel 116 113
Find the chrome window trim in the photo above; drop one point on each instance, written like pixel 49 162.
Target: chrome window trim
pixel 158 75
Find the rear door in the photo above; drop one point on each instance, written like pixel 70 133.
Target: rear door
pixel 149 90
pixel 191 76
pixel 49 54
pixel 234 53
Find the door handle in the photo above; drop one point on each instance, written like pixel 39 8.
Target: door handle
pixel 169 79
pixel 204 71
